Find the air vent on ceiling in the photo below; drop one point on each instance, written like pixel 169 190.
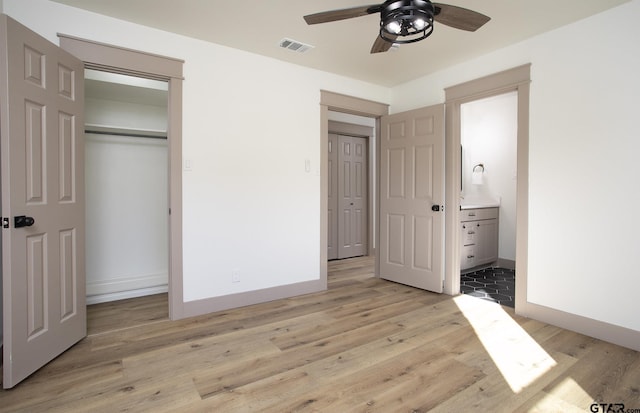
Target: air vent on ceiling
pixel 295 45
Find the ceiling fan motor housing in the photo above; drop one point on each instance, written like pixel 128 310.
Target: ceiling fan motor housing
pixel 406 21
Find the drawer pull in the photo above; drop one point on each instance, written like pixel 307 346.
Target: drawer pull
pixel 471 232
pixel 470 256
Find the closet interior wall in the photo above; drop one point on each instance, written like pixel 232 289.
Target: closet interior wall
pixel 126 175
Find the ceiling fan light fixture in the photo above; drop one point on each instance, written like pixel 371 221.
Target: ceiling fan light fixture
pixel 406 21
pixel 393 27
pixel 419 24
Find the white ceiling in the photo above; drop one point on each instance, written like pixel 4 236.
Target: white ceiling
pixel 343 47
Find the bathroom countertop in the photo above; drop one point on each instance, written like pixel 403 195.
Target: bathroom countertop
pixel 479 205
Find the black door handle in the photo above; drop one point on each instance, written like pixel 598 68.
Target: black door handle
pixel 435 208
pixel 23 221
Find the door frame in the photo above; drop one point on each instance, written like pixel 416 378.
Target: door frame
pixel 109 58
pixel 366 132
pixel 336 102
pixel 516 79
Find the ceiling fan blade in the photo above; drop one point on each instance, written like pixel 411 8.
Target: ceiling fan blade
pixel 342 14
pixel 381 45
pixel 459 18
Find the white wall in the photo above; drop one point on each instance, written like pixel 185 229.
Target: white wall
pixel 249 123
pixel 583 153
pixel 125 115
pixel 354 119
pixel 126 204
pixel 489 137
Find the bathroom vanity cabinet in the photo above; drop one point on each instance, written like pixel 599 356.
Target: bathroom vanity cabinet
pixel 478 237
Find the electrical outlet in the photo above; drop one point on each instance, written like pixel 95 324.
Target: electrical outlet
pixel 235 276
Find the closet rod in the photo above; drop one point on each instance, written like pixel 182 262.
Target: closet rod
pixel 129 134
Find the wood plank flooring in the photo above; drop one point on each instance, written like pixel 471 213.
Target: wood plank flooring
pixel 364 345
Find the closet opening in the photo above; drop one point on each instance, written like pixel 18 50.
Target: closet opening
pixel 127 186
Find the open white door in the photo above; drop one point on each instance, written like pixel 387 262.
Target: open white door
pixel 412 198
pixel 42 167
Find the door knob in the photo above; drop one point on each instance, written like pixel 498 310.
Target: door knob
pixel 23 221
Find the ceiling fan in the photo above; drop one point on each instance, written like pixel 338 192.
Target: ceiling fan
pixel 406 21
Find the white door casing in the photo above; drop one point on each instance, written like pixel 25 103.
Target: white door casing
pixel 42 164
pixel 411 184
pixel 332 205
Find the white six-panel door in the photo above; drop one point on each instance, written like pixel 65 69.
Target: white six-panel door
pixel 42 152
pixel 411 189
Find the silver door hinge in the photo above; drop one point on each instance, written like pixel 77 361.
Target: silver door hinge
pixel 5 222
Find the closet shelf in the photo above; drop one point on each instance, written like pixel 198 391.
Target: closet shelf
pixel 125 131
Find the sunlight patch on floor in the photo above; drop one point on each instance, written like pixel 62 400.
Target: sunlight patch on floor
pixel 571 391
pixel 557 401
pixel 518 357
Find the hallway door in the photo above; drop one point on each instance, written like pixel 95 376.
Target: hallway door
pixel 348 197
pixel 352 196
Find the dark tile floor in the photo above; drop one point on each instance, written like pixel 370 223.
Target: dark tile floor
pixel 493 284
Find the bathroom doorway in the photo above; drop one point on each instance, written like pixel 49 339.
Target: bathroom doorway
pixel 488 136
pixel 514 79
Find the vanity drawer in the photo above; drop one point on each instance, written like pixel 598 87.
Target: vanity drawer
pixel 467 257
pixel 478 214
pixel 468 233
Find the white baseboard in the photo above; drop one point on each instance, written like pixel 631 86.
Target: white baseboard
pixel 225 302
pixel 123 295
pixel 621 336
pixel 507 264
pixel 116 284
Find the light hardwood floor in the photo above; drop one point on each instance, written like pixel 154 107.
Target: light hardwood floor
pixel 363 345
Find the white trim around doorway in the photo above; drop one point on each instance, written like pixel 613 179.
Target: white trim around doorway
pixel 120 60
